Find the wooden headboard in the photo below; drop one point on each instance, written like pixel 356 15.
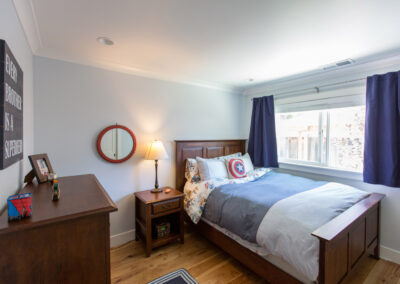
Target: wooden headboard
pixel 202 148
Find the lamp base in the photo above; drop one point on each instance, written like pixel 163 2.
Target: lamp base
pixel 156 190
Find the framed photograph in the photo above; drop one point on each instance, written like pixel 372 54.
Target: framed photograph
pixel 41 167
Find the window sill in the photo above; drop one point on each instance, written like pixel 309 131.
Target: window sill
pixel 321 171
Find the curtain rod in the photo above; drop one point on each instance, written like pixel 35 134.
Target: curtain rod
pixel 317 88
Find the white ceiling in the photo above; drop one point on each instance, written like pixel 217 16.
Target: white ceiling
pixel 220 43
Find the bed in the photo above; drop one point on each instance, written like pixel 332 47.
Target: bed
pixel 343 241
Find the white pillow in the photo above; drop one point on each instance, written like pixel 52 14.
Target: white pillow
pixel 211 168
pixel 247 162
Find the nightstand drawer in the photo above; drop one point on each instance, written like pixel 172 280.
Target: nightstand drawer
pixel 160 207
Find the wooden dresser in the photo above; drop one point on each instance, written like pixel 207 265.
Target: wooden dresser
pixel 65 241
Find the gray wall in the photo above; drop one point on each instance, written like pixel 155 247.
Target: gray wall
pixel 73 103
pixel 11 31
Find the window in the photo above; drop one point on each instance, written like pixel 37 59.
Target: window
pixel 331 138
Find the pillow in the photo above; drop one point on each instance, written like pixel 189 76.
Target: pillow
pixel 236 168
pixel 247 162
pixel 211 168
pixel 192 170
pixel 227 157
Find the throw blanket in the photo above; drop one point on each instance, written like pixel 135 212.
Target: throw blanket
pixel 286 228
pixel 240 208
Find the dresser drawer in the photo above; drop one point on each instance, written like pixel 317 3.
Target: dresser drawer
pixel 165 206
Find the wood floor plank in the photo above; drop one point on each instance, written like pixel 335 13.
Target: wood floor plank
pixel 209 264
pixel 384 272
pixel 221 273
pixel 247 276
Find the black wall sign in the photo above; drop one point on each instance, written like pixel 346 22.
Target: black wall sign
pixel 11 108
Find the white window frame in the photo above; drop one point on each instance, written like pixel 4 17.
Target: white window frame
pixel 332 99
pixel 320 170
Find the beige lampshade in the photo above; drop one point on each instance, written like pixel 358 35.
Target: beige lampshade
pixel 156 151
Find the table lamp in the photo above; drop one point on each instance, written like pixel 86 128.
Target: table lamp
pixel 156 151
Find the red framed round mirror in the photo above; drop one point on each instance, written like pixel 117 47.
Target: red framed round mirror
pixel 116 144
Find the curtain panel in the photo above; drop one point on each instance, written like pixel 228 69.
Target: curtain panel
pixel 262 141
pixel 382 130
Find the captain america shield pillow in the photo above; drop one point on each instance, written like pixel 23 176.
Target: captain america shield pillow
pixel 236 168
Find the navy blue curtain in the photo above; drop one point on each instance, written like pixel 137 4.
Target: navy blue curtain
pixel 262 141
pixel 382 130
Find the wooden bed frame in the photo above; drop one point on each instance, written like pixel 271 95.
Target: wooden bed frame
pixel 344 240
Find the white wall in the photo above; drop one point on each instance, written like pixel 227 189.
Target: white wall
pixel 11 31
pixel 390 225
pixel 73 103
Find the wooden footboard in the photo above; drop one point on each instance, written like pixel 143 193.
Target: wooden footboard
pixel 347 238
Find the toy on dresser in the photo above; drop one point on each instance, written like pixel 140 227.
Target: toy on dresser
pixel 55 186
pixel 19 206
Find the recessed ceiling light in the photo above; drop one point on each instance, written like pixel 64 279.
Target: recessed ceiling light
pixel 105 40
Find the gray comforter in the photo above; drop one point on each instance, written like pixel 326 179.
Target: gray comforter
pixel 240 208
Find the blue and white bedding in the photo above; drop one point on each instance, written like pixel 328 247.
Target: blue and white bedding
pixel 240 208
pixel 277 211
pixel 197 191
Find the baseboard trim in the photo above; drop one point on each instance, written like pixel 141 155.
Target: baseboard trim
pixel 390 254
pixel 122 238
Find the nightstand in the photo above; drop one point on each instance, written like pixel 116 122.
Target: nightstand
pixel 155 208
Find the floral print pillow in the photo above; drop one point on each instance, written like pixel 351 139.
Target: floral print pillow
pixel 192 174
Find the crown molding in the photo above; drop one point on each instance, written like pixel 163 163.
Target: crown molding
pixel 27 17
pixel 120 68
pixel 367 66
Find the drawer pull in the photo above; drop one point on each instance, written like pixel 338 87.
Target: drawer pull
pixel 166 206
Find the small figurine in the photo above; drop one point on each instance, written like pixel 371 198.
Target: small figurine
pixel 51 177
pixel 55 186
pixel 19 206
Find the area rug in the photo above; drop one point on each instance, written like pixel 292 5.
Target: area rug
pixel 180 276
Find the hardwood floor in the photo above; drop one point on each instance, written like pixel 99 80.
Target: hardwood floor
pixel 209 264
